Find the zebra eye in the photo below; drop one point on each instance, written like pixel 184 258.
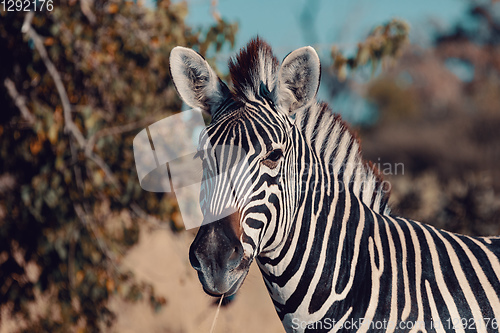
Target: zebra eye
pixel 275 155
pixel 271 160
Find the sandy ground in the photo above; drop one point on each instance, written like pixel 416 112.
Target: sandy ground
pixel 161 258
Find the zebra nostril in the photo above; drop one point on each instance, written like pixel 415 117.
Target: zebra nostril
pixel 195 263
pixel 235 257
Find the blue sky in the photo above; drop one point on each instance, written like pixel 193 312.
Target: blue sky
pixel 339 22
pixel 343 23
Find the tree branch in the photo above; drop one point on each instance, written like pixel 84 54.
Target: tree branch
pixel 19 100
pixel 86 7
pixel 37 40
pixel 74 132
pixel 70 126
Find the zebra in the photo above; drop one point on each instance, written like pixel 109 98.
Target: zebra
pixel 315 216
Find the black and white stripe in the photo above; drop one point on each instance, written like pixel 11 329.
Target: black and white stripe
pixel 314 216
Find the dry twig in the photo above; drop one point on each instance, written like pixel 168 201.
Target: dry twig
pixel 19 100
pixel 76 135
pixel 73 131
pixel 70 126
pixel 86 7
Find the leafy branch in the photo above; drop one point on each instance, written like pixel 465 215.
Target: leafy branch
pixel 384 42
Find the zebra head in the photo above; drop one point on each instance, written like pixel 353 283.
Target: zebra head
pixel 251 123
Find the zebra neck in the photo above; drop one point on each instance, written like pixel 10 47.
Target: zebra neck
pixel 336 192
pixel 338 148
pixel 320 252
pixel 327 221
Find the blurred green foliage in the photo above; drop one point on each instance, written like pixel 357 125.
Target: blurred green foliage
pixel 69 208
pixel 458 74
pixel 439 115
pixel 385 42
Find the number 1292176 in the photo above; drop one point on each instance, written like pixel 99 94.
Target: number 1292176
pixel 26 5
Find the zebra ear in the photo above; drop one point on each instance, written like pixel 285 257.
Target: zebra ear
pixel 195 81
pixel 298 80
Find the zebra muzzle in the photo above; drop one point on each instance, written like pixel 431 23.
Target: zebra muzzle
pixel 218 256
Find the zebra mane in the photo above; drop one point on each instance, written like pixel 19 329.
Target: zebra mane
pixel 326 132
pixel 254 64
pixel 340 149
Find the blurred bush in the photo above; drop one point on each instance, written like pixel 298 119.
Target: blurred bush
pixel 439 115
pixel 77 84
pixel 383 43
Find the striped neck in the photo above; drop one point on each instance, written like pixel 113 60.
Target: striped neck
pixel 331 181
pixel 319 230
pixel 338 148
